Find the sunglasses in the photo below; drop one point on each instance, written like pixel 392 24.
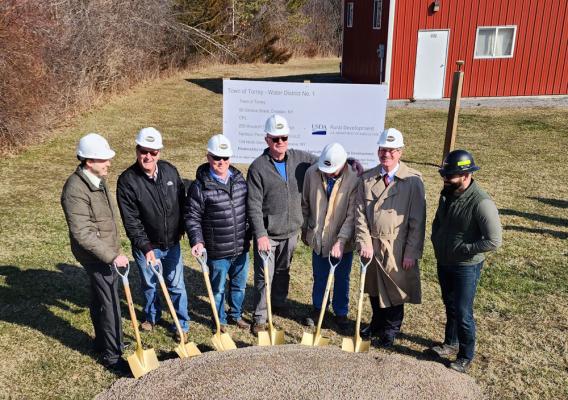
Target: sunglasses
pixel 144 152
pixel 279 138
pixel 218 158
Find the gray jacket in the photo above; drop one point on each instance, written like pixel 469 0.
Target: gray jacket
pixel 275 206
pixel 90 213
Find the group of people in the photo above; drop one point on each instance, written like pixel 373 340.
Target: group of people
pixel 327 201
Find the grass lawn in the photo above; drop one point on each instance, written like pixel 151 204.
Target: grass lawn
pixel 521 306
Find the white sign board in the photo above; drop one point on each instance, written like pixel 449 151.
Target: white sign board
pixel 318 114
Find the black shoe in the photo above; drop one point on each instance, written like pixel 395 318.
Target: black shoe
pixel 342 322
pixel 312 318
pixel 461 365
pixel 368 332
pixel 119 367
pixel 445 350
pixel 386 342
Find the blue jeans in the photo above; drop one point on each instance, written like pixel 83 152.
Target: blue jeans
pixel 236 269
pixel 172 264
pixel 321 269
pixel 459 284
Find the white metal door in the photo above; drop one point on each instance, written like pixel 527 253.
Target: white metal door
pixel 430 64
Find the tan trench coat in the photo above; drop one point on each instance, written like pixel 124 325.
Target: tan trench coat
pixel 392 220
pixel 326 222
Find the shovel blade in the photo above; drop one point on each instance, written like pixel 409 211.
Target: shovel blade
pixel 186 350
pixel 354 345
pixel 142 361
pixel 272 337
pixel 223 342
pixel 311 339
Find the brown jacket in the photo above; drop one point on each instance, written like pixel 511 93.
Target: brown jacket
pixel 393 221
pixel 324 224
pixel 90 213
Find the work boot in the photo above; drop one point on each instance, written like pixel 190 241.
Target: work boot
pixel 240 323
pixel 369 332
pixel 461 365
pixel 342 322
pixel 257 327
pixel 146 326
pixel 386 342
pixel 119 367
pixel 312 318
pixel 445 350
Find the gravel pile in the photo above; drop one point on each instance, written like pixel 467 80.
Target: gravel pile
pixel 293 372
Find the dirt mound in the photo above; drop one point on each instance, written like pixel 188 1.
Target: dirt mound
pixel 293 372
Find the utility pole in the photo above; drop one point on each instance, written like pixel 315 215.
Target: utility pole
pixel 452 126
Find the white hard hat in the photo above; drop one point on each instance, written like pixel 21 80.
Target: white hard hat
pixel 332 157
pixel 149 138
pixel 276 125
pixel 94 146
pixel 220 145
pixel 391 138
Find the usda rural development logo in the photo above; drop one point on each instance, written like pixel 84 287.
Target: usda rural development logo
pixel 319 129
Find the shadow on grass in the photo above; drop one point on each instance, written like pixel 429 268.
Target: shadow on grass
pixel 551 202
pixel 540 231
pixel 29 295
pixel 215 85
pixel 535 217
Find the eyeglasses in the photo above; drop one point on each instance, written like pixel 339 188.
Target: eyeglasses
pixel 277 139
pixel 217 158
pixel 144 152
pixel 384 150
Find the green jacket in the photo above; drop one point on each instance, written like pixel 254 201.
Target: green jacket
pixel 465 227
pixel 90 216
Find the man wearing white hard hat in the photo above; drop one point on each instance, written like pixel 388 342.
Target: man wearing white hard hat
pixel 151 196
pixel 390 228
pixel 90 214
pixel 216 220
pixel 328 206
pixel 275 181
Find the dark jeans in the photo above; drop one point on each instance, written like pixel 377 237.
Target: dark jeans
pixel 459 284
pixel 105 311
pixel 386 321
pixel 321 269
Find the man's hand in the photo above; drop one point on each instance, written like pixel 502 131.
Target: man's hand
pixel 337 250
pixel 408 263
pixel 263 243
pixel 357 166
pixel 366 252
pixel 151 257
pixel 304 237
pixel 120 261
pixel 197 250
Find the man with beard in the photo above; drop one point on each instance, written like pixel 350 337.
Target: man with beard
pixel 466 226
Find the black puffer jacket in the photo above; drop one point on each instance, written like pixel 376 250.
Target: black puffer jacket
pixel 151 211
pixel 216 214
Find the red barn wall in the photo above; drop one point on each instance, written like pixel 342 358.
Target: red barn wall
pixel 539 65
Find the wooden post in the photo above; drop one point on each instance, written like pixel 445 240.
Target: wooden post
pixel 452 126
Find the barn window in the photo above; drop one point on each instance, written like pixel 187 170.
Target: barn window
pixel 349 15
pixel 495 41
pixel 377 13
